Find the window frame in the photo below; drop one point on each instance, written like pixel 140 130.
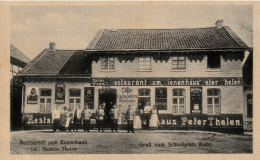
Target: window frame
pixel 45 100
pixel 216 55
pixel 144 68
pixel 213 97
pixel 144 92
pixel 178 101
pixel 74 98
pixel 108 67
pixel 178 60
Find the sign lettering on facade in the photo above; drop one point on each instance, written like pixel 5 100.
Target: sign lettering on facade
pixel 202 81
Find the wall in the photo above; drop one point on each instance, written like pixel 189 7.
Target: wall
pixel 164 69
pixel 35 108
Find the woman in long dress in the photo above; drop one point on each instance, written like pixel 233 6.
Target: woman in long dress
pixel 137 120
pixel 63 118
pixel 154 118
pixel 69 119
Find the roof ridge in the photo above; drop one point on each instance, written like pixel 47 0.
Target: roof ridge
pixel 158 28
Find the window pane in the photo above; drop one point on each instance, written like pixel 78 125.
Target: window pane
pixel 147 59
pixel 181 92
pixel 45 92
pixel 181 57
pixel 104 64
pixel 174 66
pixel 74 92
pixel 147 67
pixel 216 92
pixel 141 92
pixel 210 110
pixel 42 107
pixel 42 100
pixel 213 61
pixel 210 92
pixel 174 58
pixel 141 59
pixel 181 110
pixel 71 101
pixel 174 109
pixel 217 109
pixel 48 107
pixel 209 100
pixel 147 92
pixel 181 100
pixel 175 92
pixel 175 100
pixel 77 100
pixel 48 100
pixel 216 100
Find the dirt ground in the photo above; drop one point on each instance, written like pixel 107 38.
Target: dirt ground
pixel 141 142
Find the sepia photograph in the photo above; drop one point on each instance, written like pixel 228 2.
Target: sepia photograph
pixel 131 79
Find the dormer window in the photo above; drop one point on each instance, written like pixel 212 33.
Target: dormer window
pixel 107 63
pixel 214 61
pixel 144 63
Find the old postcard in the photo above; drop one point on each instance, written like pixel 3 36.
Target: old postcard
pixel 143 78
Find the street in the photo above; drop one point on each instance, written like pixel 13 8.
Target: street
pixel 141 142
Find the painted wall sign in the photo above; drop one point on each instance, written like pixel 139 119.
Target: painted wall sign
pixel 32 95
pixel 196 100
pixel 196 81
pixel 200 121
pixel 89 96
pixel 126 96
pixel 60 93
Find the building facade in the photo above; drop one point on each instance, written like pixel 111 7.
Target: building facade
pixel 192 76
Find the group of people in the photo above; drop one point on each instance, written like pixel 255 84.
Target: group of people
pixel 72 120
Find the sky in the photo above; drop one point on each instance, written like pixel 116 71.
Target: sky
pixel 73 27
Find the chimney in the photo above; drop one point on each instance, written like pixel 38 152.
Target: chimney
pixel 219 23
pixel 52 46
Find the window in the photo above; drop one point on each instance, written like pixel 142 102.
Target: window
pixel 45 100
pixel 144 92
pixel 143 97
pixel 213 100
pixel 74 98
pixel 249 106
pixel 178 101
pixel 144 63
pixel 178 62
pixel 161 98
pixel 213 61
pixel 107 63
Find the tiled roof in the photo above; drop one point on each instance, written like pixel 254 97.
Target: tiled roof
pixel 57 62
pixel 18 55
pixel 166 39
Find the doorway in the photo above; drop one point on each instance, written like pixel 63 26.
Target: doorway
pixel 108 97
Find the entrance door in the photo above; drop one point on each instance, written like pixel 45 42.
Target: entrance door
pixel 142 102
pixel 109 98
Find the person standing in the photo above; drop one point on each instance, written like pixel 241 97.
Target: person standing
pixel 76 118
pixel 130 114
pixel 68 120
pixel 56 118
pixel 114 113
pixel 154 118
pixel 100 118
pixel 63 118
pixel 147 115
pixel 85 116
pixel 137 120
